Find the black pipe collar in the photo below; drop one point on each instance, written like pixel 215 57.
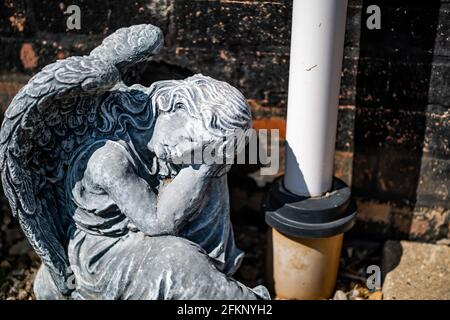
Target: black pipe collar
pixel 310 217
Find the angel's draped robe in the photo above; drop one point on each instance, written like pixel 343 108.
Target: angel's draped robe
pixel 111 259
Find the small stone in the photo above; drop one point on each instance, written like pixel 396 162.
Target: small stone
pixel 28 287
pixel 23 295
pixel 355 293
pixel 350 252
pixel 443 242
pixel 340 295
pixel 377 295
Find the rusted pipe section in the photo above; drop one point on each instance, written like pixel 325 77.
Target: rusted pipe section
pixel 305 268
pixel 308 209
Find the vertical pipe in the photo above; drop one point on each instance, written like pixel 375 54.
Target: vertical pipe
pixel 306 235
pixel 318 29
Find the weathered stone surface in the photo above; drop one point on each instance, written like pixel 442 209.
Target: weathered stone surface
pixel 340 295
pixel 416 271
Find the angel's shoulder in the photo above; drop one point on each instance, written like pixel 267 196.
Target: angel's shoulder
pixel 109 162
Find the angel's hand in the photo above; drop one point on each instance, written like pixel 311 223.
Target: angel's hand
pixel 182 197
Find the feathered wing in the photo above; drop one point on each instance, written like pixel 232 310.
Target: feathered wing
pixel 46 121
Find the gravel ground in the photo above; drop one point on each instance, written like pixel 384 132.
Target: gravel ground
pixel 19 263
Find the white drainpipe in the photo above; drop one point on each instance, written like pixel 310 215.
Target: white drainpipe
pixel 317 43
pixel 311 210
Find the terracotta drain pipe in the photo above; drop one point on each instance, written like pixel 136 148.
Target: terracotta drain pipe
pixel 309 210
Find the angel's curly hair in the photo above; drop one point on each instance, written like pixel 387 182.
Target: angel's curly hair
pixel 222 107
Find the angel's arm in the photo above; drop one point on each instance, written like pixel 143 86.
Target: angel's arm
pixel 111 170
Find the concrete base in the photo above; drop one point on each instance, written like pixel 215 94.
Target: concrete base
pixel 416 271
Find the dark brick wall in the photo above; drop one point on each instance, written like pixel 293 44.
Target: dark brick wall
pixel 399 83
pixel 394 122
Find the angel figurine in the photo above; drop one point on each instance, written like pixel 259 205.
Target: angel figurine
pixel 89 166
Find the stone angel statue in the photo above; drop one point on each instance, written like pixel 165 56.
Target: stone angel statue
pixel 89 166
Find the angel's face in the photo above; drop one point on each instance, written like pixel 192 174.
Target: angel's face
pixel 177 136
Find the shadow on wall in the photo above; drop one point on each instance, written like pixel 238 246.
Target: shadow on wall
pixel 145 73
pixel 393 81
